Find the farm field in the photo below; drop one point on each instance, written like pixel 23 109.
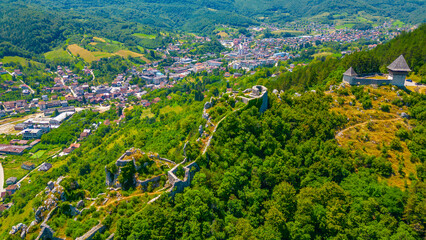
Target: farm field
pixel 90 56
pixel 85 54
pixel 58 54
pixel 144 36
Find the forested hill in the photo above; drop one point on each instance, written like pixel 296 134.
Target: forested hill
pixel 283 175
pixel 201 15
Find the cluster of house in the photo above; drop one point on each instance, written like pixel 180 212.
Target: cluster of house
pixel 34 128
pixel 86 132
pixel 13 185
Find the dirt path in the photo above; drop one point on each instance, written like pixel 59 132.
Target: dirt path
pixel 127 198
pixel 340 134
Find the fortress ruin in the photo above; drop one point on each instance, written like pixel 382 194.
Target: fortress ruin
pixel 398 71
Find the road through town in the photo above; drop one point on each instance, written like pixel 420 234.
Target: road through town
pixel 1 178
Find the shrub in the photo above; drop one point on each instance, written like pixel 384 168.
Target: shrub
pixel 396 144
pixel 385 107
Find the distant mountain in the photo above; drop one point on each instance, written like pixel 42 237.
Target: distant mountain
pixel 39 25
pixel 200 15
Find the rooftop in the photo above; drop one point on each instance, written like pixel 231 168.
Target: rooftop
pixel 350 72
pixel 399 65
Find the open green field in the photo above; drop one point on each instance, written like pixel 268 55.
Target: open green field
pixel 58 54
pixel 322 54
pixel 347 25
pixel 144 36
pixel 398 23
pixel 167 109
pixel 288 31
pixel 20 60
pixel 5 77
pixel 38 154
pixel 17 172
pixel 87 55
pixel 147 113
pixel 24 62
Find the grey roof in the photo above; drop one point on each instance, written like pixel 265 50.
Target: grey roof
pixel 399 65
pixel 350 72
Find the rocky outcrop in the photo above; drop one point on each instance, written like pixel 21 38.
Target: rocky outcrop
pixel 16 229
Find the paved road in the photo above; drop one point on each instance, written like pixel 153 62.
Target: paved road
pixel 63 83
pixel 31 90
pixel 1 178
pixel 35 169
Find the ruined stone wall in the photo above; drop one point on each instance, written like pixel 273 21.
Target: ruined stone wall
pixel 110 178
pixel 89 235
pixel 179 185
pixel 369 81
pixel 264 105
pixel 155 182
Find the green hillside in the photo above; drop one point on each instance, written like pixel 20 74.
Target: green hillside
pixel 299 170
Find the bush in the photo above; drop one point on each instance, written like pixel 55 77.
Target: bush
pixel 402 134
pixel 382 166
pixel 396 144
pixel 385 107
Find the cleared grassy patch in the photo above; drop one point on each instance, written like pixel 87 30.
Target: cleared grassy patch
pixel 288 31
pixel 17 172
pixel 147 113
pixel 347 25
pixel 99 39
pixel 167 109
pixel 19 60
pixel 38 154
pixel 370 130
pixel 398 23
pixel 222 34
pixel 322 54
pixel 144 36
pixel 85 54
pixel 127 53
pixel 57 54
pixel 24 62
pixel 370 138
pixel 418 89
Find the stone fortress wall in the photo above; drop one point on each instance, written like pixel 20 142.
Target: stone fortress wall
pixel 398 71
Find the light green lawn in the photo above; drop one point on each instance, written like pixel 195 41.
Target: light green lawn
pixel 145 36
pixel 58 54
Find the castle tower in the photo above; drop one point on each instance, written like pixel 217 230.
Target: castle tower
pixel 349 76
pixel 398 71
